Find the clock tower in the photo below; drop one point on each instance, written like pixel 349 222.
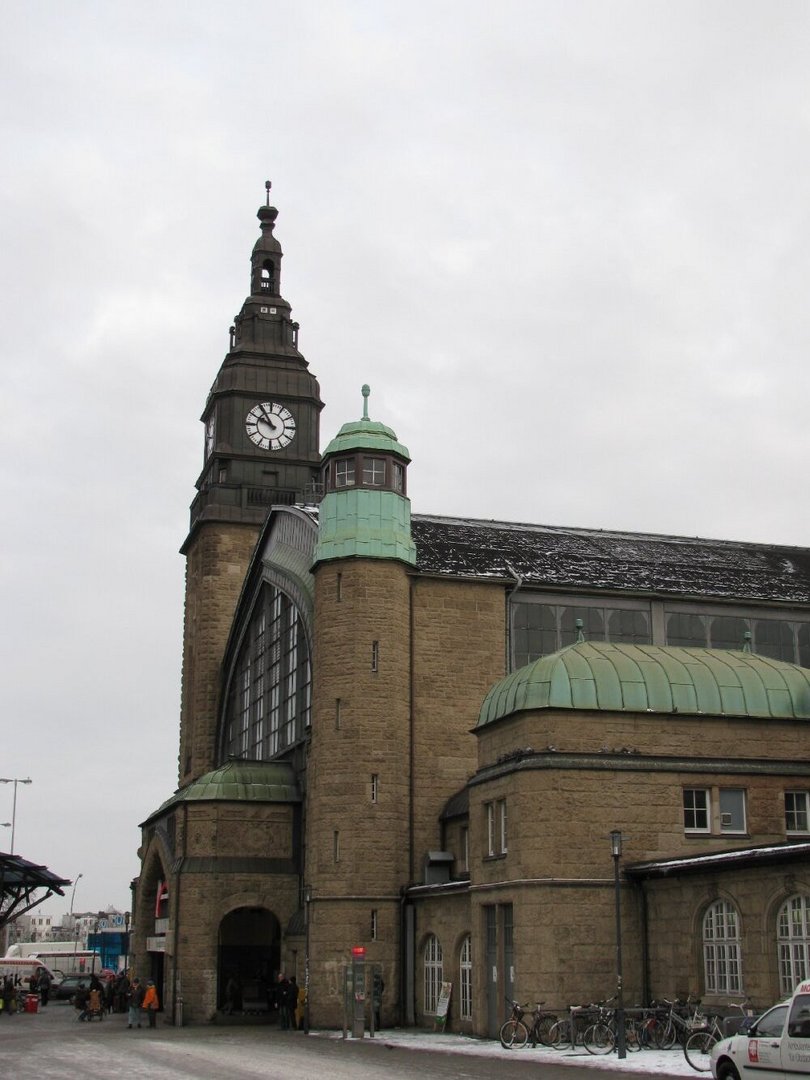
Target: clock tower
pixel 260 448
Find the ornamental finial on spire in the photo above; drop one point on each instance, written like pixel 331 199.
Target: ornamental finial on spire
pixel 365 392
pixel 267 185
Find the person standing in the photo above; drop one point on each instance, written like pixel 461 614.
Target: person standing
pixel 44 985
pixel 151 1003
pixel 283 1000
pixel 134 1003
pixel 292 1002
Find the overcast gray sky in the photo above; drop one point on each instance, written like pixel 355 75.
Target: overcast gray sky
pixel 565 242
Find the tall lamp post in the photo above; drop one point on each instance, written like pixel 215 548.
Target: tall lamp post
pixel 14 780
pixel 73 921
pixel 616 852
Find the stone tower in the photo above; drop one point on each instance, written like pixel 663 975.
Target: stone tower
pixel 261 438
pixel 359 816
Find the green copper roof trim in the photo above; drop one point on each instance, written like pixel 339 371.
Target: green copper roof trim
pixel 653 678
pixel 240 781
pixel 365 523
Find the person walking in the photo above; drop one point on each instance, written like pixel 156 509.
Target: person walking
pixel 151 1004
pixel 134 1003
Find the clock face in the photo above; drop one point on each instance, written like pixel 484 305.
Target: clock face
pixel 270 426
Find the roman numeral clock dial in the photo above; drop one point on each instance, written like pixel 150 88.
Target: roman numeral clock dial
pixel 270 426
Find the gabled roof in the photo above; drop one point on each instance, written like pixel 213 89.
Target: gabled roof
pixel 601 676
pixel 592 559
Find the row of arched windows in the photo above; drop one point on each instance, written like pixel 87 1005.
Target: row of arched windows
pixel 435 976
pixel 722 954
pixel 722 936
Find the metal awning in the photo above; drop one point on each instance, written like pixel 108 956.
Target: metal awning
pixel 20 882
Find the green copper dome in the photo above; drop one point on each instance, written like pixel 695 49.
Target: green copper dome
pixel 653 678
pixel 366 434
pixel 241 781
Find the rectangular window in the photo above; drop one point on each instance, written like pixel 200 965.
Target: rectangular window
pixel 336 846
pixel 373 924
pixel 375 784
pixel 339 587
pixel 796 817
pixel 696 809
pixel 490 811
pixel 502 821
pixel 374 471
pixel 496 827
pixel 399 477
pixel 732 810
pixel 344 473
pixel 375 656
pixel 337 714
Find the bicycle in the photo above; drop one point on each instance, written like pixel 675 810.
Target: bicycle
pixel 601 1037
pixel 698 1046
pixel 675 1022
pixel 515 1032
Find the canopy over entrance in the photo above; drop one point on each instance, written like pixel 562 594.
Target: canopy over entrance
pixel 19 882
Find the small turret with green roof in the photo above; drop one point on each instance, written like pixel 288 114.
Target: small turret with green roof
pixel 365 511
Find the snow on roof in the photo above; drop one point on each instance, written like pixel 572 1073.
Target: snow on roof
pixel 768 853
pixel 541 555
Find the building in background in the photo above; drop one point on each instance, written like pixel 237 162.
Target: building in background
pixel 416 734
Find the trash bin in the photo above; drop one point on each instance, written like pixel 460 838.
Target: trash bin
pixel 31 1002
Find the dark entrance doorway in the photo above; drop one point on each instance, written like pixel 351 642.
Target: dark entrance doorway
pixel 249 956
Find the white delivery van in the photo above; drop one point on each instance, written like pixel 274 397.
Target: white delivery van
pixel 776 1045
pixel 21 968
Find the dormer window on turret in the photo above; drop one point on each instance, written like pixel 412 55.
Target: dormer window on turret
pixel 344 473
pixel 373 471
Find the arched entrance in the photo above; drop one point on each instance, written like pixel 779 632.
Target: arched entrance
pixel 249 957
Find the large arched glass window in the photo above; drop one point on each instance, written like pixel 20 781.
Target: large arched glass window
pixel 721 949
pixel 793 939
pixel 465 979
pixel 433 973
pixel 269 696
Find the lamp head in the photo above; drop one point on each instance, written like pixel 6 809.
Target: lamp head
pixel 616 843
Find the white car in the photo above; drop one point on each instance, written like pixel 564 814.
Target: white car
pixel 776 1046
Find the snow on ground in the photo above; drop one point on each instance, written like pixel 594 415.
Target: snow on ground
pixel 649 1062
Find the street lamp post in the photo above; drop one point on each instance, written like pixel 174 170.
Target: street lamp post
pixel 14 780
pixel 616 852
pixel 73 921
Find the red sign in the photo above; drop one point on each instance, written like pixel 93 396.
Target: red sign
pixel 358 950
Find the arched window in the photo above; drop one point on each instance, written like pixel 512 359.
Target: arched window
pixel 465 979
pixel 269 693
pixel 793 939
pixel 269 276
pixel 433 973
pixel 721 949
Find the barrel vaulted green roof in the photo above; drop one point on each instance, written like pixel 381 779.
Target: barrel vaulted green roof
pixel 653 678
pixel 241 781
